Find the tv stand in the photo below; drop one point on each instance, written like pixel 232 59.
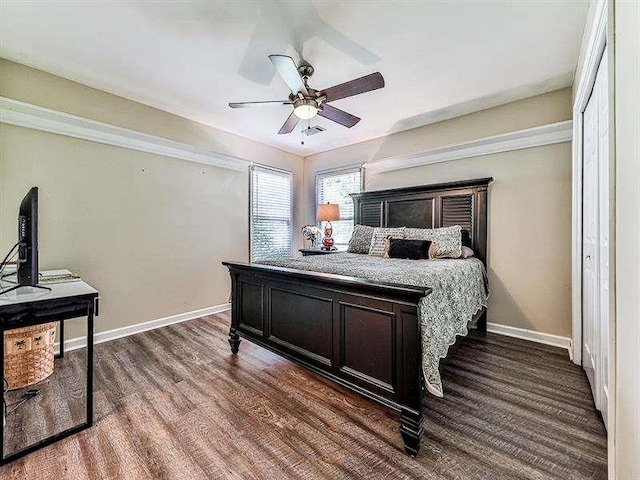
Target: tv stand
pixel 15 287
pixel 65 301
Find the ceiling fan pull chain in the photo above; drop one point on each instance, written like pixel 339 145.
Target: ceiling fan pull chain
pixel 302 131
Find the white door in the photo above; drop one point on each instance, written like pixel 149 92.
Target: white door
pixel 590 250
pixel 595 241
pixel 601 87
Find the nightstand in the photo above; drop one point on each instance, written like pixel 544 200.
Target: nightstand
pixel 316 251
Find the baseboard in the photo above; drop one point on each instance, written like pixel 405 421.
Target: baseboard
pixel 538 337
pixel 81 342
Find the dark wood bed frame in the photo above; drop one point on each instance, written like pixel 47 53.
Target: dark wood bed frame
pixel 361 334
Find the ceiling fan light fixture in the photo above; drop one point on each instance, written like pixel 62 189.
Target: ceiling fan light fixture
pixel 305 109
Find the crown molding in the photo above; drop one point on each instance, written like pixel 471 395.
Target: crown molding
pixel 21 114
pixel 506 142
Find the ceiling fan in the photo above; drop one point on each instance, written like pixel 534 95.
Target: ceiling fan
pixel 308 102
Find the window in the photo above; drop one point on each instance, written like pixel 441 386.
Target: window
pixel 335 187
pixel 270 223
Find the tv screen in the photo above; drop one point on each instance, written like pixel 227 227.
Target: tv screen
pixel 28 239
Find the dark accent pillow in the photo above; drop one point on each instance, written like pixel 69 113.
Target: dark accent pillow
pixel 411 249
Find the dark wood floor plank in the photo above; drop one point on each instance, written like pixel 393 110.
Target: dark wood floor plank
pixel 536 400
pixel 513 420
pixel 174 403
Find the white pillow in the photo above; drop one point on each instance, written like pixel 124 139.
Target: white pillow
pixel 378 241
pixel 446 242
pixel 467 252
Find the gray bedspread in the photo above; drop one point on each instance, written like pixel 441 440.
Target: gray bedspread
pixel 459 291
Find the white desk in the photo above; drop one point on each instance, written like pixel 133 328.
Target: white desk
pixel 28 306
pixel 58 290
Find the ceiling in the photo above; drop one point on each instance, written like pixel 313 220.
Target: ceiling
pixel 192 57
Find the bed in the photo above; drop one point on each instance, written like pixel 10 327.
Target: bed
pixel 367 323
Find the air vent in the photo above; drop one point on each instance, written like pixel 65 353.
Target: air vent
pixel 313 130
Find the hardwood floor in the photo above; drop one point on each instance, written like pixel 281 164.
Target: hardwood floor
pixel 174 403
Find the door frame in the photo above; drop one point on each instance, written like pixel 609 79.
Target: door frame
pixel 599 38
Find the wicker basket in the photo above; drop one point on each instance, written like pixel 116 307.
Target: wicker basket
pixel 28 354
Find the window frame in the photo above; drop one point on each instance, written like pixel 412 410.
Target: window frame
pixel 280 171
pixel 337 172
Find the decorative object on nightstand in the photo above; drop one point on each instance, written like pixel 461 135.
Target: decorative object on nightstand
pixel 311 233
pixel 328 212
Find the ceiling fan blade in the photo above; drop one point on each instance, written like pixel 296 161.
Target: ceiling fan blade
pixel 268 103
pixel 354 87
pixel 289 72
pixel 289 125
pixel 338 116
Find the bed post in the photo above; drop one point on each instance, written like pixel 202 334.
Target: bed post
pixel 481 324
pixel 481 220
pixel 234 341
pixel 411 420
pixel 411 430
pixel 480 240
pixel 234 338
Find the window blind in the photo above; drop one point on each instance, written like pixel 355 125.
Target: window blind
pixel 270 224
pixel 335 187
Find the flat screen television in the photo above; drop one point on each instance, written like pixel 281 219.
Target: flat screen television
pixel 28 240
pixel 26 273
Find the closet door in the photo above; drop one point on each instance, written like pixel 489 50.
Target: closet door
pixel 601 88
pixel 590 248
pixel 595 241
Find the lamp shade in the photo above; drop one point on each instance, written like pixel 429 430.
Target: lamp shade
pixel 328 212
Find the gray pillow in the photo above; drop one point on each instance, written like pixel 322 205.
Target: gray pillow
pixel 446 242
pixel 379 240
pixel 360 239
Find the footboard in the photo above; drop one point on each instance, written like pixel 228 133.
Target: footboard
pixel 361 334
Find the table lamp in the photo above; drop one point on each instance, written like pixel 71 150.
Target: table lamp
pixel 328 212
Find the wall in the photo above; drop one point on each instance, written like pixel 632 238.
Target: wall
pixel 529 209
pixel 627 144
pixel 148 231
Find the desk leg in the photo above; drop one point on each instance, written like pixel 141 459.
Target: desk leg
pixel 90 311
pixel 3 412
pixel 61 340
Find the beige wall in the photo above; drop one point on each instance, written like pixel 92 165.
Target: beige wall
pixel 529 210
pixel 148 231
pixel 627 140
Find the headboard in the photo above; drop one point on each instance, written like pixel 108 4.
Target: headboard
pixel 430 206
